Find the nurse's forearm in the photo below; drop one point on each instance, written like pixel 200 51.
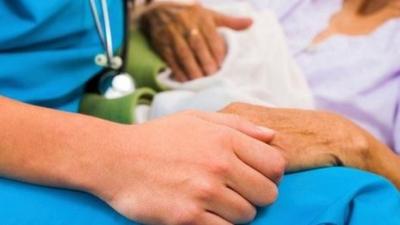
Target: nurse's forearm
pixel 146 171
pixel 49 147
pixel 45 146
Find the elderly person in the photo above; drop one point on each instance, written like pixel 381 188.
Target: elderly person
pixel 340 46
pixel 214 173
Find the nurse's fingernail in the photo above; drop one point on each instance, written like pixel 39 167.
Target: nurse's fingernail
pixel 267 131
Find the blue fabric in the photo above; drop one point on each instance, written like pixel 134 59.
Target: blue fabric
pixel 333 196
pixel 47 49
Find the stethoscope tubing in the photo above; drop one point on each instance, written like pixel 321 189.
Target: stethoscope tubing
pixel 93 84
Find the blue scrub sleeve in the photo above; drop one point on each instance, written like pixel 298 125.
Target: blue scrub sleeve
pixel 333 196
pixel 47 49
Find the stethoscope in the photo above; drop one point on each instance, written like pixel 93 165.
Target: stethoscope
pixel 113 82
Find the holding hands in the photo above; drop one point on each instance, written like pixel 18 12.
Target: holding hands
pixel 191 168
pixel 312 139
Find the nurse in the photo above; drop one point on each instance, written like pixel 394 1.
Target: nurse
pixel 157 173
pixel 188 168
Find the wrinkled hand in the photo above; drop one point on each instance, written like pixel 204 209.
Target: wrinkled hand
pixel 310 139
pixel 187 39
pixel 191 168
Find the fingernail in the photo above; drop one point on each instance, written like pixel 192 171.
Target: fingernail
pixel 266 130
pixel 211 69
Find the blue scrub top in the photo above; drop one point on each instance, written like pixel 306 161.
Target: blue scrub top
pixel 47 49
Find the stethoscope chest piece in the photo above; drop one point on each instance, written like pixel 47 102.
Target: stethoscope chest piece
pixel 116 85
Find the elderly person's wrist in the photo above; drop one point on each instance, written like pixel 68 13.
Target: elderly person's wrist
pixel 355 149
pixel 382 160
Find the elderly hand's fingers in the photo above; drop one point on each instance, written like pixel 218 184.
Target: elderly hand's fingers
pixel 183 54
pixel 162 45
pixel 214 40
pixel 200 48
pixel 186 57
pixel 236 23
pixel 169 56
pixel 182 51
pixel 197 43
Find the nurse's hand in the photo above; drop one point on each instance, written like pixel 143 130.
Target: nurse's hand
pixel 187 39
pixel 191 168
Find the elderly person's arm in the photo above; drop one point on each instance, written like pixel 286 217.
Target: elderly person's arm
pixel 311 139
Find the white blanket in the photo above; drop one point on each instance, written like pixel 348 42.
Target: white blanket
pixel 258 69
